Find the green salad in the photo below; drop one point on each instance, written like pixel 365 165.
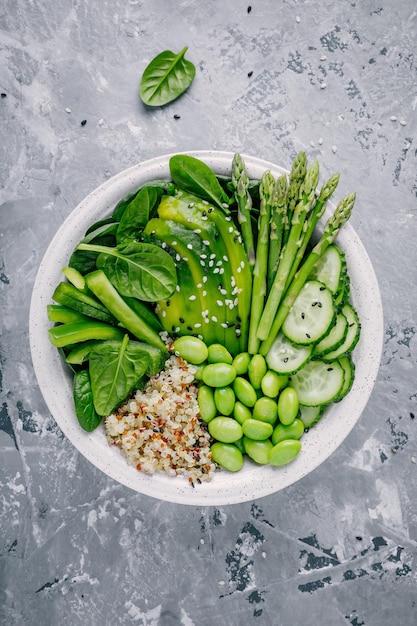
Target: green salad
pixel 230 274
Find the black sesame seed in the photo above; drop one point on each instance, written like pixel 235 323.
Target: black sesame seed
pixel 322 288
pixel 181 320
pixel 177 117
pixel 204 214
pixel 412 415
pixel 168 303
pixel 189 328
pixel 308 336
pixel 330 369
pixel 319 304
pixel 210 210
pixel 4 95
pixel 199 481
pixel 314 304
pixel 216 234
pixel 286 359
pixel 358 538
pixel 302 316
pixel 249 9
pixel 250 74
pixel 84 122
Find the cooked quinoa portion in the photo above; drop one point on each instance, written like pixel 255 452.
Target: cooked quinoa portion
pixel 159 428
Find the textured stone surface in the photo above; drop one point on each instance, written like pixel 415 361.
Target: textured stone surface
pixel 335 78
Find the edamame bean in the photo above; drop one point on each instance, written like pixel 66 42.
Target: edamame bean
pixel 218 374
pixel 266 410
pixel 284 452
pixel 258 451
pixel 287 405
pixel 190 348
pixel 272 383
pixel 293 431
pixel 224 397
pixel 219 354
pixel 241 413
pixel 227 455
pixel 257 430
pixel 257 370
pixel 241 363
pixel 206 403
pixel 225 429
pixel 244 391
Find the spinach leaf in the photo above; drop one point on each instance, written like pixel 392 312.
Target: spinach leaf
pixel 192 175
pixel 139 270
pixel 85 261
pixel 116 368
pixel 166 77
pixel 137 213
pixel 87 416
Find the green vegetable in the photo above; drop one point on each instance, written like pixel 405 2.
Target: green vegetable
pixel 295 430
pixel 258 451
pixel 192 349
pixel 218 374
pixel 240 182
pixel 87 416
pixel 139 270
pixel 192 175
pixel 206 403
pixel 271 325
pixel 265 410
pixel 137 213
pixel 287 406
pixel 227 455
pixel 75 332
pixel 101 286
pixel 224 398
pixel 225 429
pixel 115 370
pixel 166 77
pixel 69 296
pixel 284 452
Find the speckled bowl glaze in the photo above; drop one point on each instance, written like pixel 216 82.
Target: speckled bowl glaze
pixel 252 481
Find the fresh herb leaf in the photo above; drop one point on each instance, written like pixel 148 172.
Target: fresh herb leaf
pixel 195 176
pixel 166 77
pixel 116 368
pixel 87 416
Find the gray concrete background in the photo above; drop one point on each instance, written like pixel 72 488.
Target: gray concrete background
pixel 335 78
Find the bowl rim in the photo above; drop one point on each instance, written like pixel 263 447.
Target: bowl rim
pixel 254 481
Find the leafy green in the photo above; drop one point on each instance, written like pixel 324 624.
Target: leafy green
pixel 137 213
pixel 138 270
pixel 87 416
pixel 193 175
pixel 166 77
pixel 116 368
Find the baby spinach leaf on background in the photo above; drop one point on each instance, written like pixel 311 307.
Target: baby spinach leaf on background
pixel 87 416
pixel 85 260
pixel 116 368
pixel 166 77
pixel 137 213
pixel 139 270
pixel 194 176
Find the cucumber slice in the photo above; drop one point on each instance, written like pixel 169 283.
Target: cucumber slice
pixel 311 316
pixel 310 415
pixel 335 337
pixel 329 268
pixel 286 358
pixel 349 371
pixel 318 383
pixel 352 336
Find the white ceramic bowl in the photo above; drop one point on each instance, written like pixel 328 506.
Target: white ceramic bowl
pixel 252 481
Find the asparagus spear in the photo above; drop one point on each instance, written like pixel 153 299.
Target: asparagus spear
pixel 266 191
pixel 331 231
pixel 289 251
pixel 278 213
pixel 240 181
pixel 311 222
pixel 297 176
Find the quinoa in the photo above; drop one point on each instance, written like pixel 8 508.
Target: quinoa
pixel 159 427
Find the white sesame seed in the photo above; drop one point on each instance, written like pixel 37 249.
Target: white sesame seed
pixel 206 242
pixel 213 318
pixel 393 118
pixel 178 288
pixel 197 325
pixel 164 313
pixel 199 285
pixel 163 246
pixel 224 325
pixel 197 231
pixel 413 459
pixel 231 229
pixel 178 257
pixel 204 279
pixel 298 19
pixel 204 293
pixel 219 302
pixel 323 58
pixel 334 149
pixel 216 270
pixel 323 86
pixel 174 243
pixel 68 110
pixel 212 256
pixel 203 256
pixel 211 263
pixel 320 141
pixel 192 297
pixel 225 258
pixel 239 269
pixel 205 202
pixel 312 144
pixel 185 258
pixel 403 122
pixel 190 246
